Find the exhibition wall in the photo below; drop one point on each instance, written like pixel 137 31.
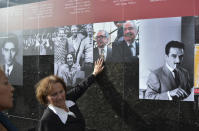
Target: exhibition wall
pixel 47 31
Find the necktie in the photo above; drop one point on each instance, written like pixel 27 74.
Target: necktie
pixel 90 42
pixel 177 79
pixel 7 72
pixel 102 53
pixel 131 49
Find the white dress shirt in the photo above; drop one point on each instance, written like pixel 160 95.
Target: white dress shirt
pixel 103 52
pixel 61 113
pixel 8 69
pixel 133 48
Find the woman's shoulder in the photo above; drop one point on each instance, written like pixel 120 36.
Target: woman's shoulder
pixel 47 115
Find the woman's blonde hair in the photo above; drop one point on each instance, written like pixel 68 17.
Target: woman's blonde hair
pixel 44 86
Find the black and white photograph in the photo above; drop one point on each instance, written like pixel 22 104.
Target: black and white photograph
pixel 11 56
pixel 103 41
pixel 166 59
pixel 112 40
pixel 73 52
pixel 109 40
pixel 38 42
pixel 126 44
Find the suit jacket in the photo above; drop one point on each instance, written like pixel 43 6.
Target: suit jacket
pixel 96 54
pixel 161 81
pixel 51 122
pixel 16 75
pixel 122 53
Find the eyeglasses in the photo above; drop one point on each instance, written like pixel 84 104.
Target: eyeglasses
pixel 100 37
pixel 129 28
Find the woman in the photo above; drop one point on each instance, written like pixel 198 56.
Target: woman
pixel 6 102
pixel 69 71
pixel 62 113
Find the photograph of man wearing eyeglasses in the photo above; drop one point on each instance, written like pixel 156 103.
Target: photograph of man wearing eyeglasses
pixel 102 49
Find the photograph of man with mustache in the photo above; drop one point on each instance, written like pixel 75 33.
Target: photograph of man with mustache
pixel 171 81
pixel 128 49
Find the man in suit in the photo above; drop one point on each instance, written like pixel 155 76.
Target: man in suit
pixel 128 49
pixel 102 49
pixel 12 68
pixel 171 81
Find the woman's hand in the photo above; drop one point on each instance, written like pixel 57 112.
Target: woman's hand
pixel 98 66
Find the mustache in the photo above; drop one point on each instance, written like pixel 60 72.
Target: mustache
pixel 178 64
pixel 100 41
pixel 128 34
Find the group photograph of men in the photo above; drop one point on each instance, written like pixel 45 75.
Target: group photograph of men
pixel 38 42
pixel 76 47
